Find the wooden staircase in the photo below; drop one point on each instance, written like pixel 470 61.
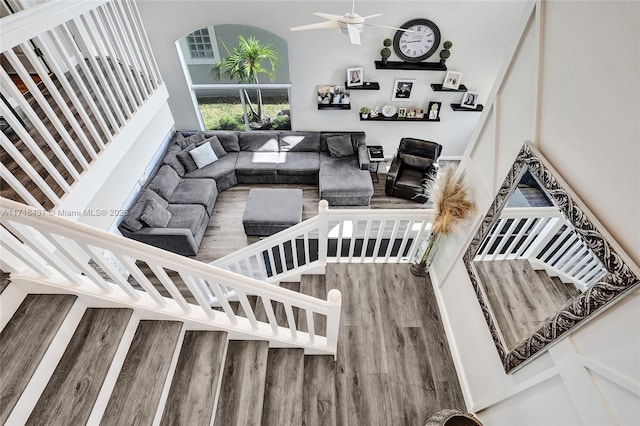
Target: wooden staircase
pixel 66 364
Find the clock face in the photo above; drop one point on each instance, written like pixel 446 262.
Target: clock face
pixel 419 43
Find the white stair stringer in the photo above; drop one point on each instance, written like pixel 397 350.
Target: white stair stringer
pixel 47 366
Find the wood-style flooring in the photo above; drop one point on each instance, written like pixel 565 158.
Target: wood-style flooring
pixel 394 366
pixel 521 298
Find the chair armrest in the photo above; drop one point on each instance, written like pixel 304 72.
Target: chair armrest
pixel 392 174
pixel 363 157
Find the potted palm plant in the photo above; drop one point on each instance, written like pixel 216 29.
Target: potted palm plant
pixel 451 205
pixel 245 63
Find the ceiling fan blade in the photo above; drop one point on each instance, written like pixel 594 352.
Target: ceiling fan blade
pixel 326 16
pixel 386 26
pixel 354 34
pixel 373 16
pixel 318 26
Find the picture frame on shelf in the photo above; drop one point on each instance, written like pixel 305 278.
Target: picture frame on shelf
pixel 433 110
pixel 402 89
pixel 355 76
pixel 333 95
pixel 402 113
pixel 469 100
pixel 411 112
pixel 452 80
pixel 419 113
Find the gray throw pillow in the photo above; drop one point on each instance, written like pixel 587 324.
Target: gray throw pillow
pixel 218 149
pixel 193 139
pixel 203 155
pixel 340 146
pixel 187 160
pixel 154 215
pixel 165 182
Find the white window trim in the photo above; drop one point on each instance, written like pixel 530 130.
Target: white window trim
pixel 197 61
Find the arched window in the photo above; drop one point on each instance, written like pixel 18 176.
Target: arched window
pixel 230 100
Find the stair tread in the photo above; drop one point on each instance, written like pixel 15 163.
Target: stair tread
pixel 135 397
pixel 319 402
pixel 315 286
pixel 284 387
pixel 243 383
pixel 24 341
pixel 191 399
pixel 76 382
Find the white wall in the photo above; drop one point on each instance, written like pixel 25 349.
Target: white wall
pixel 585 122
pixel 321 57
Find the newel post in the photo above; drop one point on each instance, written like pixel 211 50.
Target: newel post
pixel 334 297
pixel 323 231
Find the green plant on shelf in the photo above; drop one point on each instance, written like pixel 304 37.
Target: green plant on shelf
pixel 445 53
pixel 385 53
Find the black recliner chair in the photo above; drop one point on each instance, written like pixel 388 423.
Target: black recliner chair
pixel 415 161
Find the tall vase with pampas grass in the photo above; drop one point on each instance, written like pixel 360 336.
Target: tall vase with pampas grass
pixel 451 205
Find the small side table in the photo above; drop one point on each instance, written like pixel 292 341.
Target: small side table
pixel 376 156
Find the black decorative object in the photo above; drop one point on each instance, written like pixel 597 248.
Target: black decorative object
pixel 621 278
pixel 457 107
pixel 437 87
pixel 411 66
pixel 366 86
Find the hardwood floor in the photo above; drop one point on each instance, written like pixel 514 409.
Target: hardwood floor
pixel 394 366
pixel 519 309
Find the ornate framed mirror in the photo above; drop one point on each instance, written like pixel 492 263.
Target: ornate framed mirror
pixel 540 263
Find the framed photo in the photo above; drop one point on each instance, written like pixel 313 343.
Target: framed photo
pixel 402 89
pixel 452 80
pixel 433 110
pixel 469 100
pixel 355 76
pixel 411 112
pixel 419 113
pixel 402 113
pixel 325 94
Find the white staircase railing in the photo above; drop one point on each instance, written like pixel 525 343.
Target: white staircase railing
pixel 544 237
pixel 39 246
pixel 334 236
pixel 87 68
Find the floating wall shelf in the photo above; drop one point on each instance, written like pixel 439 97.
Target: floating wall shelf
pixel 414 66
pixel 437 87
pixel 457 107
pixel 395 118
pixel 334 106
pixel 371 86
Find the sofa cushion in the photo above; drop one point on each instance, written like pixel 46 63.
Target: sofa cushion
pixel 131 222
pixel 298 163
pixel 228 139
pixel 195 191
pixel 188 216
pixel 224 165
pixel 416 162
pixel 341 177
pixel 203 155
pixel 186 159
pixel 165 182
pixel 340 146
pixel 155 215
pixel 171 159
pixel 193 139
pixel 216 145
pixel 257 163
pixel 299 141
pixel 259 141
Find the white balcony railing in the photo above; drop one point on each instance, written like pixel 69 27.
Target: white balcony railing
pixel 76 73
pixel 544 237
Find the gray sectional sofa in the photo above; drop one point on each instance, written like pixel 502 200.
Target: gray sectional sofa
pixel 174 208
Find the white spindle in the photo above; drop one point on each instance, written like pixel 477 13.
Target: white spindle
pixel 323 231
pixel 311 326
pixel 169 285
pixel 392 240
pixel 291 321
pixel 339 241
pixel 271 316
pixel 14 183
pixel 22 253
pixel 193 287
pixel 248 310
pixel 405 239
pixel 136 28
pixel 365 240
pixel 141 279
pixel 224 302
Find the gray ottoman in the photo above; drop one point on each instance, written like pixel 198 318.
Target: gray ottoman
pixel 271 210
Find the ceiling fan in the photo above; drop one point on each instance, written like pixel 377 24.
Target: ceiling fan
pixel 350 23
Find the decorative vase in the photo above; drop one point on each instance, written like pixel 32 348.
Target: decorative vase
pixel 419 267
pixel 364 116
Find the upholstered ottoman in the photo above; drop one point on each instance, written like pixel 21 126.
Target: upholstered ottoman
pixel 271 210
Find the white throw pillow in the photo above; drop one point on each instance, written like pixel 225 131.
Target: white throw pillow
pixel 203 155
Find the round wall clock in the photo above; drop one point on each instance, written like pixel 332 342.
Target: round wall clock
pixel 419 43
